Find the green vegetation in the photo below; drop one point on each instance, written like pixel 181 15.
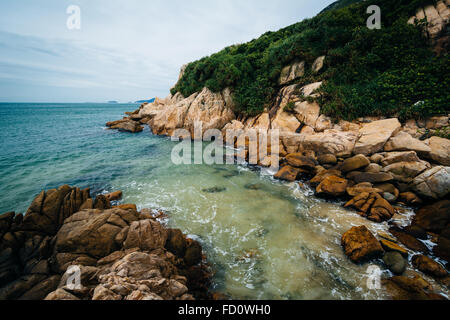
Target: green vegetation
pixel 389 72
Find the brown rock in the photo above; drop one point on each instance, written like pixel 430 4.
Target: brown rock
pixel 360 245
pixel 333 186
pixel 146 235
pixel 429 266
pixel 433 218
pixel 381 211
pixel 101 203
pixel 176 242
pixel 114 196
pixel 327 159
pixel 193 253
pixel 392 246
pixel 404 288
pixel 354 163
pixel 288 173
pixel 409 241
pixel 381 177
pixel 322 175
pixel 410 198
pixel 442 250
pixel 126 126
pixel 126 207
pixel 297 160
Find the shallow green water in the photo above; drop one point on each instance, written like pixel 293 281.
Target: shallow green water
pixel 265 239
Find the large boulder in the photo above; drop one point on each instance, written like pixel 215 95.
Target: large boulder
pixel 307 112
pixel 146 235
pixel 298 160
pixel 433 183
pixel 332 186
pixel 440 150
pixel 389 158
pixel 338 143
pixel 93 232
pixel 371 177
pixel 429 266
pixel 433 218
pixel 403 141
pixel 357 162
pixel 360 245
pixel 374 135
pixel 406 171
pixel 288 173
pixel 372 206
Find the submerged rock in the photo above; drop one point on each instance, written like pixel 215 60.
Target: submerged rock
pixel 395 262
pixel 215 190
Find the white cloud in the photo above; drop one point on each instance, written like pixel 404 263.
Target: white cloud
pixel 126 50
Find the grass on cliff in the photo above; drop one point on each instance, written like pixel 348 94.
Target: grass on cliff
pixel 388 72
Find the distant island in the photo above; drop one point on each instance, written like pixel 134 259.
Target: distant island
pixel 113 102
pixel 146 101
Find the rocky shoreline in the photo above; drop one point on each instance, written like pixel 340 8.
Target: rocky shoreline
pixel 377 166
pixel 119 253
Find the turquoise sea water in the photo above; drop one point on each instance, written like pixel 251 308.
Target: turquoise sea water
pixel 264 239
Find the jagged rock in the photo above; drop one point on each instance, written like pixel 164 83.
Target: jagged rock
pixel 440 150
pixel 357 162
pixel 287 173
pixel 395 262
pixel 114 196
pixel 146 235
pixel 193 254
pixel 372 206
pixel 333 186
pixel 360 245
pixel 176 243
pixel 126 126
pixel 429 266
pixel 20 286
pixel 374 135
pixel 403 141
pixel 92 232
pixel 433 183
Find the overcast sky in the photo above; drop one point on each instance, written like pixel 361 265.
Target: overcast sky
pixel 126 50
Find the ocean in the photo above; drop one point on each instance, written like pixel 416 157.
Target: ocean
pixel 265 239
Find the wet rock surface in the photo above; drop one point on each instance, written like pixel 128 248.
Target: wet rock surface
pixel 120 254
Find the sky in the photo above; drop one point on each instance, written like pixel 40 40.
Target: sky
pixel 125 50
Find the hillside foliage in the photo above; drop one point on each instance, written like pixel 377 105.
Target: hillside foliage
pixel 390 72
